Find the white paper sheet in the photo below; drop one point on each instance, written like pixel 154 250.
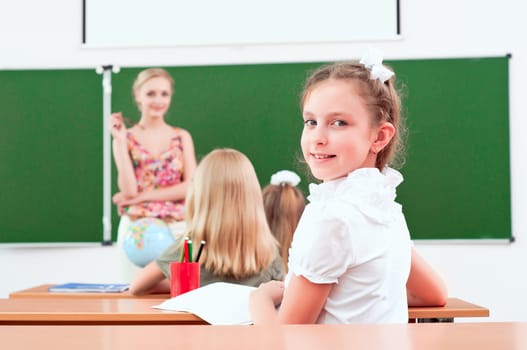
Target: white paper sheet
pixel 218 303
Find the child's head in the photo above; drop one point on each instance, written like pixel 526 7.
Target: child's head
pixel 164 79
pixel 225 209
pixel 337 96
pixel 284 204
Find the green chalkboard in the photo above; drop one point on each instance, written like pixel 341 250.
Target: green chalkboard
pixel 51 156
pixel 457 173
pixel 457 181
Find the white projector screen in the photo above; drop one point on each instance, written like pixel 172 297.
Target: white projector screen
pixel 143 23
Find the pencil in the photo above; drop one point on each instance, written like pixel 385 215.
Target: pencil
pixel 185 251
pixel 182 259
pixel 200 250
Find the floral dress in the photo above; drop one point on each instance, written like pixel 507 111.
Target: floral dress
pixel 156 171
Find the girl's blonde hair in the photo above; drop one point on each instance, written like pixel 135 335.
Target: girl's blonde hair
pixel 225 208
pixel 382 101
pixel 283 205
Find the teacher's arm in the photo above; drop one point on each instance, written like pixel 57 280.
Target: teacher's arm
pixel 126 180
pixel 174 192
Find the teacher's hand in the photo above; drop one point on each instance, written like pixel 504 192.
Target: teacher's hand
pixel 117 126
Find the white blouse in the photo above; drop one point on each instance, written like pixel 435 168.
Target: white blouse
pixel 354 234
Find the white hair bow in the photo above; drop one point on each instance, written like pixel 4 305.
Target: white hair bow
pixel 285 176
pixel 373 61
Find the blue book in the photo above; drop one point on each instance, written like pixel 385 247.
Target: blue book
pixel 89 288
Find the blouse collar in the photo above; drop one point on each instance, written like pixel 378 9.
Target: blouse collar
pixel 371 190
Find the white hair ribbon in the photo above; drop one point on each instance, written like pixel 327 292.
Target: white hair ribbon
pixel 285 176
pixel 373 61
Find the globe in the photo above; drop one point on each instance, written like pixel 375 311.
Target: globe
pixel 146 239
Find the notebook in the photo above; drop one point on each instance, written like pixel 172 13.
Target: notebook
pixel 217 303
pixel 89 288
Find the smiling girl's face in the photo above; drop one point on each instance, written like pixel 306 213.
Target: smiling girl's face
pixel 338 136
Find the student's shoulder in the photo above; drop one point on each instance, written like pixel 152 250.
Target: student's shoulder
pixel 277 268
pixel 275 271
pixel 318 225
pixel 330 211
pixel 172 253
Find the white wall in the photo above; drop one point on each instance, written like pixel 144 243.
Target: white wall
pixel 37 34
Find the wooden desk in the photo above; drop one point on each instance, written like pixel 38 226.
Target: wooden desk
pixel 452 336
pixel 89 311
pixel 115 311
pixel 42 292
pixel 454 308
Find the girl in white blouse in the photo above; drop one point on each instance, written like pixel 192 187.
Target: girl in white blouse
pixel 351 255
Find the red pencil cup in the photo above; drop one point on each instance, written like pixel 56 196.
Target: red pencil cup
pixel 184 277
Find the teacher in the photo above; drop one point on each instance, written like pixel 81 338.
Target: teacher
pixel 155 161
